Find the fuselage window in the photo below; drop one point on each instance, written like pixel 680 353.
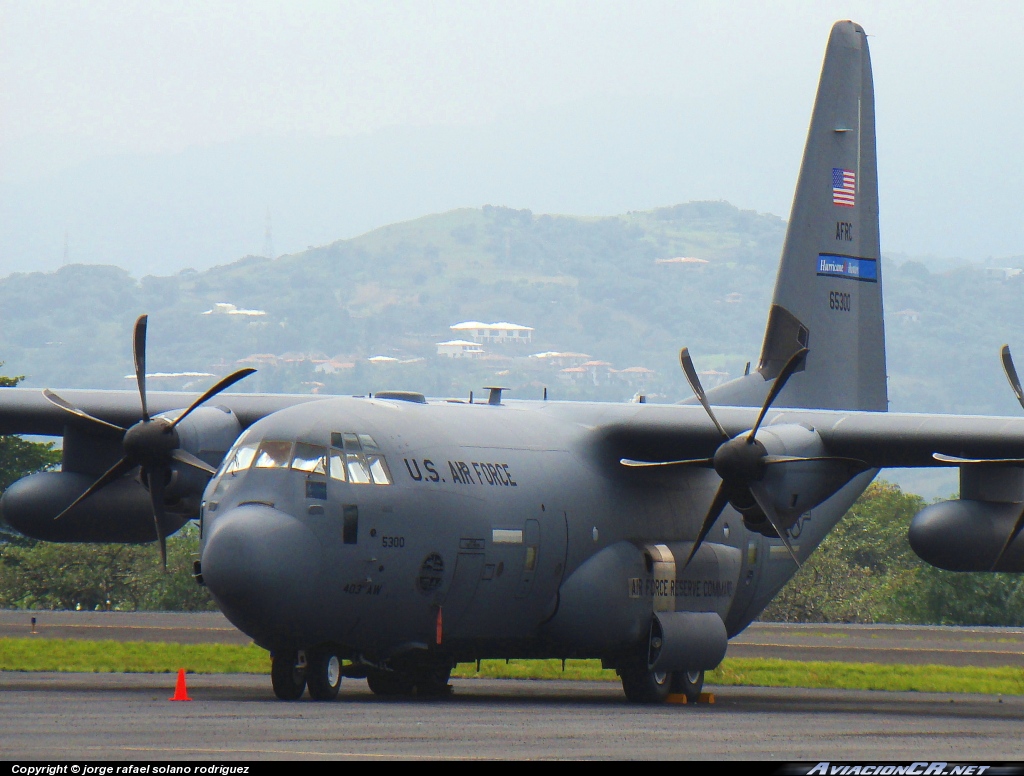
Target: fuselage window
pixel 310 458
pixel 273 455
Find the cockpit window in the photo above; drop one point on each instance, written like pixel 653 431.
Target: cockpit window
pixel 357 459
pixel 358 471
pixel 310 458
pixel 240 459
pixel 273 455
pixel 338 465
pixel 378 469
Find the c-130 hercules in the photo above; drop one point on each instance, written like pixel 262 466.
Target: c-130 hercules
pixel 392 537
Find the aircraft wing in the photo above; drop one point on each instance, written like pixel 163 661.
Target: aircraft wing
pixel 880 439
pixel 26 410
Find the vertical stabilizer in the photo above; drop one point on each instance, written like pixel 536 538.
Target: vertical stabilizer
pixel 828 292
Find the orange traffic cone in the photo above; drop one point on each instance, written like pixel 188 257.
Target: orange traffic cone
pixel 180 693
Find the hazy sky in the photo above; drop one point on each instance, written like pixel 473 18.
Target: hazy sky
pixel 81 80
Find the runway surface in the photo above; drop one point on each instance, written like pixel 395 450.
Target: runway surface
pixel 849 643
pixel 128 717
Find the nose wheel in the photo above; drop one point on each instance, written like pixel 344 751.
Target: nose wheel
pixel 287 677
pixel 323 674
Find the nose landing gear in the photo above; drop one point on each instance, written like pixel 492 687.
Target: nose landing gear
pixel 323 674
pixel 287 675
pixel 292 671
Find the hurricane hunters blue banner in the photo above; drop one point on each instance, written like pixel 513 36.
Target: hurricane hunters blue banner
pixel 835 266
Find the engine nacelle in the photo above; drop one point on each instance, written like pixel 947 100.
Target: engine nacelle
pixel 798 486
pixel 120 512
pixel 208 434
pixel 967 535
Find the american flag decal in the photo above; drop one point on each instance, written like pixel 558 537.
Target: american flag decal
pixel 844 187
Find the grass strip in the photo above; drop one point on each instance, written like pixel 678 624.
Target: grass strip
pixel 130 657
pixel 29 654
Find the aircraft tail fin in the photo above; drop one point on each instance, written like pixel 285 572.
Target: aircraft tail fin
pixel 828 292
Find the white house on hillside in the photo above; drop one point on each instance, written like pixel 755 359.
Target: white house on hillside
pixel 493 332
pixel 459 349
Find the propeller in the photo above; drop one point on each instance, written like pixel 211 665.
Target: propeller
pixel 1011 376
pixel 741 461
pixel 151 445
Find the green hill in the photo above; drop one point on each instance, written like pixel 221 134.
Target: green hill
pixel 592 286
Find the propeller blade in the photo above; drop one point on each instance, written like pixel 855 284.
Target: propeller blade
pixel 760 494
pixel 961 461
pixel 139 351
pixel 68 407
pixel 1009 539
pixel 225 382
pixel 776 389
pixel 687 462
pixel 691 377
pixel 181 456
pixel 718 504
pixel 119 469
pixel 772 459
pixel 1011 374
pixel 156 496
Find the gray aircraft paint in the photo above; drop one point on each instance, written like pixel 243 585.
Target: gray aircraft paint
pixel 513 529
pixel 842 315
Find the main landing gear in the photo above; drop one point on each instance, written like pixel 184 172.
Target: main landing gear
pixel 642 685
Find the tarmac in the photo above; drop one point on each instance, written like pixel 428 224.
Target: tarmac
pixel 128 717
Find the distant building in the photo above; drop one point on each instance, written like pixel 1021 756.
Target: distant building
pixel 907 316
pixel 334 365
pixel 223 308
pixel 502 332
pixel 459 349
pixel 560 358
pixel 681 260
pixel 1002 273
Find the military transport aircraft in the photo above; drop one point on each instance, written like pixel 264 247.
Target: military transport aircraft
pixel 391 537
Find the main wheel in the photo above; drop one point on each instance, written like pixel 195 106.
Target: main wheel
pixel 288 679
pixel 688 683
pixel 389 683
pixel 642 685
pixel 323 674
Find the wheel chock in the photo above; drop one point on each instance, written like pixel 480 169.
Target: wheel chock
pixel 681 699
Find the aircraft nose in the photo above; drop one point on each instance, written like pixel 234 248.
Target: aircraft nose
pixel 261 566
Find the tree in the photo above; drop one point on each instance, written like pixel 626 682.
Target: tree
pixel 865 571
